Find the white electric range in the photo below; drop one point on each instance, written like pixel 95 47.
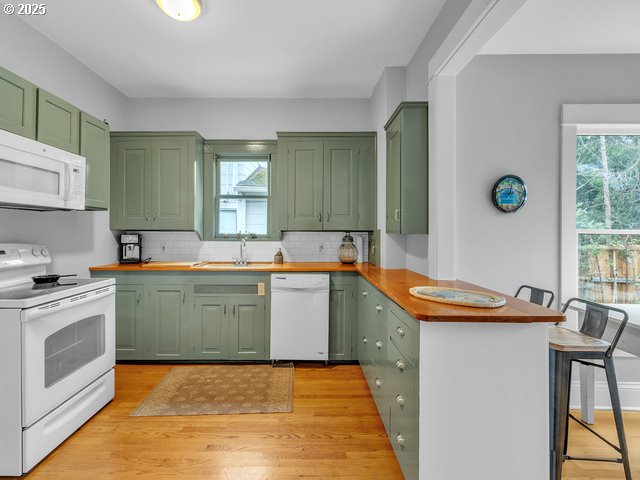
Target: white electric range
pixel 57 353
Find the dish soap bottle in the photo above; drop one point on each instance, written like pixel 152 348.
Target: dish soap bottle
pixel 278 258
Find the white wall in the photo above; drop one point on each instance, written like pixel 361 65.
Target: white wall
pixel 76 239
pixel 508 122
pixel 388 93
pixel 256 119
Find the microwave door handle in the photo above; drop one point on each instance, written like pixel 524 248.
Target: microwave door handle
pixel 67 182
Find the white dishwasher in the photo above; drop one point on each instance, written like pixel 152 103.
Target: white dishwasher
pixel 300 316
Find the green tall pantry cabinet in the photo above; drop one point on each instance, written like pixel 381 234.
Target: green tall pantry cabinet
pixel 327 182
pixel 407 169
pixel 157 181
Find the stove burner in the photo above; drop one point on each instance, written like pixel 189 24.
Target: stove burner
pixel 45 286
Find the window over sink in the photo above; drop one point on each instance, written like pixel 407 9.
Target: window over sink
pixel 239 189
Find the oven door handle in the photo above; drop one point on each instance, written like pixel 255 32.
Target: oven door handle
pixel 67 303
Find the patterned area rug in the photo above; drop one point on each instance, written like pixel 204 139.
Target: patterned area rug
pixel 220 390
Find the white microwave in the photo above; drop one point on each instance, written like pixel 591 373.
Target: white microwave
pixel 37 176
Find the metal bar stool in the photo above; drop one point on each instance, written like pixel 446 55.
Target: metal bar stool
pixel 536 295
pixel 585 347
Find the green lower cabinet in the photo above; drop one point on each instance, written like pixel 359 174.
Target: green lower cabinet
pixel 17 104
pixel 247 328
pixel 167 323
pixel 211 329
pixel 130 340
pixel 342 321
pixel 388 351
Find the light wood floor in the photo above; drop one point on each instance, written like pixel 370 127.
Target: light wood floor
pixel 334 432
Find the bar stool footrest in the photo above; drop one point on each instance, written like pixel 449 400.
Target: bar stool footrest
pixel 594 459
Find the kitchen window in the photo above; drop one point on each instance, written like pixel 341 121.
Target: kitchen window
pixel 600 227
pixel 239 190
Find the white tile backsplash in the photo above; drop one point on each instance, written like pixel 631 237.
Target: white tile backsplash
pixel 296 247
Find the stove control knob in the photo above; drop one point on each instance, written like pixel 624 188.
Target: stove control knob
pixel 36 252
pixel 45 252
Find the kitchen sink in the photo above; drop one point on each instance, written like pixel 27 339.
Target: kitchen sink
pixel 228 265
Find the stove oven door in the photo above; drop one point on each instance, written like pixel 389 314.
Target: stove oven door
pixel 66 344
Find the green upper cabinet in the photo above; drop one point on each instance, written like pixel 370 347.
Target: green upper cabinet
pixel 156 182
pixel 329 179
pixel 341 162
pixel 94 146
pixel 58 122
pixel 304 186
pixel 407 200
pixel 17 104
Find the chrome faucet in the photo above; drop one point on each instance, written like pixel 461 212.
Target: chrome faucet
pixel 244 259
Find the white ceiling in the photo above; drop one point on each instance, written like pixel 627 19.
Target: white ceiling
pixel 570 27
pixel 241 48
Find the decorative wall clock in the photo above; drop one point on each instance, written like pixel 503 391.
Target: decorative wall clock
pixel 509 193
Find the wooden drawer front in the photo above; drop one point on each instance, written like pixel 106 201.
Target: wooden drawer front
pixel 403 335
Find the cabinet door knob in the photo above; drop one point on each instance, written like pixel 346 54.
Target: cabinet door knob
pixel 400 439
pixel 364 340
pixel 378 344
pixel 378 382
pixel 184 296
pixel 364 294
pixel 400 331
pixel 224 310
pixel 396 215
pixel 146 216
pixel 379 308
pixel 401 400
pixel 401 365
pixel 155 215
pixel 138 297
pixel 320 216
pixel 328 217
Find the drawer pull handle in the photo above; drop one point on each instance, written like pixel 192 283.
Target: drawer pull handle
pixel 400 331
pixel 401 400
pixel 379 308
pixel 378 344
pixel 138 297
pixel 364 340
pixel 378 382
pixel 400 439
pixel 364 293
pixel 396 215
pixel 401 365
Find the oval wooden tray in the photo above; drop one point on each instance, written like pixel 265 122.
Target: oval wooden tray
pixel 456 296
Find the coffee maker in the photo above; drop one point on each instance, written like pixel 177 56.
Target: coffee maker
pixel 130 248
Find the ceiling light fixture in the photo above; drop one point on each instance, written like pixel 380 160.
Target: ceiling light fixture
pixel 181 10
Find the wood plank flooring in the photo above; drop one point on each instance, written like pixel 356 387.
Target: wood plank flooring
pixel 584 443
pixel 334 433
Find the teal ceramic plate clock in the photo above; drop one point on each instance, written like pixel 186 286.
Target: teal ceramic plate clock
pixel 509 193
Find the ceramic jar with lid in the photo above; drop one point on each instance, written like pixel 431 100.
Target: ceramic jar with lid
pixel 347 253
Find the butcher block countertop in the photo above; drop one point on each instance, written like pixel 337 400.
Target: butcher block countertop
pixel 393 283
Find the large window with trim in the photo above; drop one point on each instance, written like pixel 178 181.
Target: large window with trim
pixel 239 189
pixel 600 230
